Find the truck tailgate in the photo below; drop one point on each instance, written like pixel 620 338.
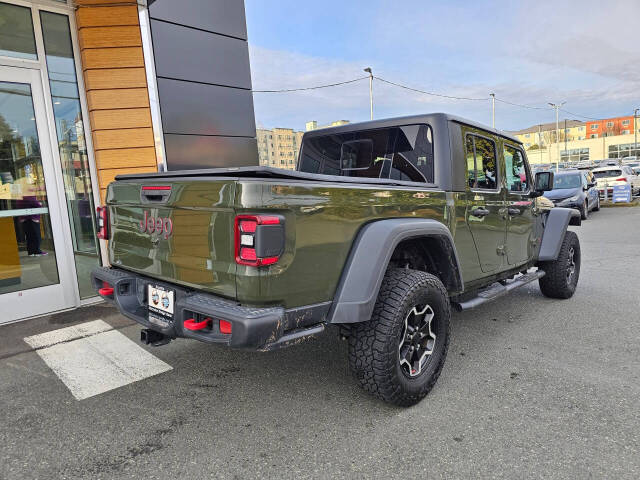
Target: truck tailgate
pixel 178 231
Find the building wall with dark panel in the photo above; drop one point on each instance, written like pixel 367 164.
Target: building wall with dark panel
pixel 201 60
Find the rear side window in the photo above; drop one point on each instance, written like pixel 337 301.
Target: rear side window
pixel 398 153
pixel 482 167
pixel 516 173
pixel 608 173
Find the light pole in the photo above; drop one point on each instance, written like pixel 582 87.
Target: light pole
pixel 635 131
pixel 540 141
pixel 557 108
pixel 368 70
pixel 493 109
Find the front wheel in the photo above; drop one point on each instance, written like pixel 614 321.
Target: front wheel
pixel 584 212
pixel 561 275
pixel 398 355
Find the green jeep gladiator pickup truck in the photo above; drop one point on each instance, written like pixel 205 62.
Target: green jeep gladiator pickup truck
pixel 383 228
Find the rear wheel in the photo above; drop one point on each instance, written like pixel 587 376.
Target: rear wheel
pixel 597 207
pixel 561 275
pixel 399 354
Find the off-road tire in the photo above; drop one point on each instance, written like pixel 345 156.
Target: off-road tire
pixel 374 345
pixel 556 283
pixel 584 211
pixel 597 207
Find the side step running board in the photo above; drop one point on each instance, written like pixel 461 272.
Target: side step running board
pixel 294 336
pixel 497 290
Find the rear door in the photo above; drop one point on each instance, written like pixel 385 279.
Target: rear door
pixel 486 213
pixel 520 232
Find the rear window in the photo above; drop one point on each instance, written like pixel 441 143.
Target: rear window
pixel 608 173
pixel 397 153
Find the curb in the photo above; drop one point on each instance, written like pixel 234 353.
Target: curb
pixel 634 203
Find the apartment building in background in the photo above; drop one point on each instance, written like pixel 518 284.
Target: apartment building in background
pixel 610 127
pixel 313 125
pixel 278 147
pixel 545 133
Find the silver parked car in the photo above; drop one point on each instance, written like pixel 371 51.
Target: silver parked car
pixel 608 177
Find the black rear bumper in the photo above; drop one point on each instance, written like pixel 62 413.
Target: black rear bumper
pixel 257 328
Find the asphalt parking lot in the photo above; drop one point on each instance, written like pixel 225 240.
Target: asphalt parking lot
pixel 532 388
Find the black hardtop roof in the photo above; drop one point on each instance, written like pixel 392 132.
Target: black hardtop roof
pixel 430 118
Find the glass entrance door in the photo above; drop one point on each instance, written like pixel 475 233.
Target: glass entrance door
pixel 34 258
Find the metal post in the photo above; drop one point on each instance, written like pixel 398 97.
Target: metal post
pixel 565 134
pixel 368 70
pixel 557 109
pixel 540 142
pixel 635 131
pixel 493 110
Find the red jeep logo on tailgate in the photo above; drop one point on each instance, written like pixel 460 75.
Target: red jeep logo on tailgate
pixel 159 225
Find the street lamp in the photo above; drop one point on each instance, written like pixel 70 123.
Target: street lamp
pixel 557 107
pixel 635 132
pixel 493 109
pixel 368 70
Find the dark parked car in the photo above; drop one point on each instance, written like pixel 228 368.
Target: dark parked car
pixel 575 189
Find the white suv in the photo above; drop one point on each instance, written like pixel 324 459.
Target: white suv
pixel 608 177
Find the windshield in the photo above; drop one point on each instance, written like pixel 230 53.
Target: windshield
pixel 563 182
pixel 607 173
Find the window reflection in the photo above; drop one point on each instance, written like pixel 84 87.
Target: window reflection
pixel 16 32
pixel 71 144
pixel 27 254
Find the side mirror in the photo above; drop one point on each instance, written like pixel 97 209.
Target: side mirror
pixel 543 182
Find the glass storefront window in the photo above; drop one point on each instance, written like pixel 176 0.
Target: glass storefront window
pixel 71 144
pixel 27 254
pixel 16 32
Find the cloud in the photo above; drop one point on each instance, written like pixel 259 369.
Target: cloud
pixel 530 52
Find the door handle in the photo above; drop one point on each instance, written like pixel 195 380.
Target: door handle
pixel 480 212
pixel 514 211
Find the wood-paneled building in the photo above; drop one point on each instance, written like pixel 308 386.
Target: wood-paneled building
pixel 90 89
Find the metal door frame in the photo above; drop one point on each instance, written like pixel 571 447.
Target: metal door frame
pixel 65 294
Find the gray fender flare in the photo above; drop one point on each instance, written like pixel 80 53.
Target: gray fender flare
pixel 554 229
pixel 367 263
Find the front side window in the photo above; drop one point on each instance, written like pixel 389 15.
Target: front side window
pixel 516 171
pixel 485 172
pixel 398 153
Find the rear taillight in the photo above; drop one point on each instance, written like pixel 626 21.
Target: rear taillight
pixel 102 223
pixel 259 239
pixel 621 179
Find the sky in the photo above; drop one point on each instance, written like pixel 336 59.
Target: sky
pixel 585 53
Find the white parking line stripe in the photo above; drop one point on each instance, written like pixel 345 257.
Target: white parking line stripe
pixel 66 334
pixel 95 364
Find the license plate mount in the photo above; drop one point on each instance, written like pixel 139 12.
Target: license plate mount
pixel 160 304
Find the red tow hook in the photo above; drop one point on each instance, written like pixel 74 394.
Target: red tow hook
pixel 106 291
pixel 191 324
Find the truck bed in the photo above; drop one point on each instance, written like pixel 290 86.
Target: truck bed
pixel 259 172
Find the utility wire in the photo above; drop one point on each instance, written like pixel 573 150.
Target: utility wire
pixel 521 105
pixel 578 115
pixel 427 93
pixel 433 94
pixel 311 88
